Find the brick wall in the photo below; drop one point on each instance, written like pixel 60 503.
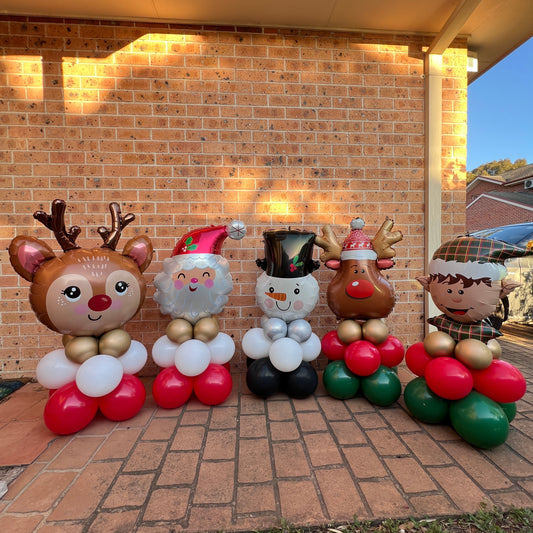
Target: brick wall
pixel 191 126
pixel 488 213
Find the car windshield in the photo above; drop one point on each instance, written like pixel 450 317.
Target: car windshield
pixel 518 234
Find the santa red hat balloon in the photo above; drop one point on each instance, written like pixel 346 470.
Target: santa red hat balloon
pixel 193 287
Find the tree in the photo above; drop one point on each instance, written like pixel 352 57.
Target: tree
pixel 494 168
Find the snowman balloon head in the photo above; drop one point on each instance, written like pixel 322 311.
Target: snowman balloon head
pixel 286 289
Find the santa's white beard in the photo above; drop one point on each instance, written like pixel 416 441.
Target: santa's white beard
pixel 195 305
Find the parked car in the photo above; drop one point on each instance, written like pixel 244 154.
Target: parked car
pixel 519 304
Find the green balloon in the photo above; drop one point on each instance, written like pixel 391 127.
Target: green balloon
pixel 383 387
pixel 424 404
pixel 509 409
pixel 479 420
pixel 340 381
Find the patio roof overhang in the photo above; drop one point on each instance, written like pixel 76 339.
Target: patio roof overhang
pixel 494 27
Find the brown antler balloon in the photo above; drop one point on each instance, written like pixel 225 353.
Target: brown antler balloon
pixel 385 238
pixel 329 243
pixel 118 223
pixel 56 223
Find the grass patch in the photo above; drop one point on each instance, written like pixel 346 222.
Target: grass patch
pixel 483 521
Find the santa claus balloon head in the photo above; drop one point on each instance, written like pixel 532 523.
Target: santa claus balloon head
pixel 196 280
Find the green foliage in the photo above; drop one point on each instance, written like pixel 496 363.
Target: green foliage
pixel 494 168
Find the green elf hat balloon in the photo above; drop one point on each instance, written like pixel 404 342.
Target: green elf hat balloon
pixel 474 258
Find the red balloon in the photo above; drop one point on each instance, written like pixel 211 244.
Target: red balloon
pixel 500 381
pixel 448 378
pixel 68 410
pixel 171 389
pixel 332 347
pixel 213 385
pixel 391 351
pixel 417 358
pixel 362 358
pixel 125 401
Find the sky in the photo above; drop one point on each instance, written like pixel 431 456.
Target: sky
pixel 500 111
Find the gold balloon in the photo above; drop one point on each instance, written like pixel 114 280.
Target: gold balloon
pixel 66 339
pixel 473 354
pixel 349 331
pixel 79 349
pixel 115 342
pixel 439 344
pixel 375 331
pixel 206 329
pixel 179 330
pixel 495 347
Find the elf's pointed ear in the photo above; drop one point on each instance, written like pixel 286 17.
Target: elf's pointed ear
pixel 508 287
pixel 27 254
pixel 424 281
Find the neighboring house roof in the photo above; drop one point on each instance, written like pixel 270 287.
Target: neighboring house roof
pixel 494 28
pixel 524 200
pixel 517 175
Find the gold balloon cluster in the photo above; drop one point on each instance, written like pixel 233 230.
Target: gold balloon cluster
pixel 473 353
pixel 180 330
pixel 373 330
pixel 115 342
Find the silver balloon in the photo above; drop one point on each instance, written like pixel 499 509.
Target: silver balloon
pixel 299 330
pixel 275 328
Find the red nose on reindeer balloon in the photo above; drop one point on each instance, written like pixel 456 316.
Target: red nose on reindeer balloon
pixel 361 351
pixel 87 295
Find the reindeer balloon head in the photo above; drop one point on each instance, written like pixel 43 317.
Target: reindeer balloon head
pixel 83 292
pixel 359 291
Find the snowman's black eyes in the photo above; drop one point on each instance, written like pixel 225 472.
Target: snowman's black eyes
pixel 271 289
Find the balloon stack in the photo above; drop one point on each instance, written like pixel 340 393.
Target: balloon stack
pixel 461 378
pixel 194 354
pixel 362 354
pixel 280 351
pixel 87 295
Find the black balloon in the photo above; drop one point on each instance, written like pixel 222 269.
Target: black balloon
pixel 302 382
pixel 263 379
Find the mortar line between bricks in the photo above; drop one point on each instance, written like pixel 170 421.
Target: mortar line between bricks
pixel 275 483
pixel 236 458
pixel 98 508
pixel 80 471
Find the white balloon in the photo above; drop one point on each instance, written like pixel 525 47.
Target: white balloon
pixel 286 354
pixel 255 345
pixel 299 330
pixel 221 348
pixel 134 359
pixel 55 369
pixel 311 348
pixel 274 328
pixel 99 375
pixel 163 352
pixel 192 357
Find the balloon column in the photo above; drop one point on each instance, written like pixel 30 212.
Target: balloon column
pixel 87 295
pixel 362 354
pixel 194 286
pixel 281 350
pixel 461 377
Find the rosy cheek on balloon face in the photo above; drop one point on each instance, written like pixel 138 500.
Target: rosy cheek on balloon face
pixel 269 304
pixel 298 305
pixel 178 284
pixel 81 309
pixel 209 283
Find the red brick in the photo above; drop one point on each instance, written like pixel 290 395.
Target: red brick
pixel 167 504
pixel 364 462
pixel 85 494
pixel 123 521
pixel 215 482
pixel 255 499
pixel 220 445
pixel 410 475
pixel 384 499
pixel 340 494
pixel 300 503
pixel 322 449
pixel 254 461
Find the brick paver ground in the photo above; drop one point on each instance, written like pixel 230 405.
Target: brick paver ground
pixel 249 463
